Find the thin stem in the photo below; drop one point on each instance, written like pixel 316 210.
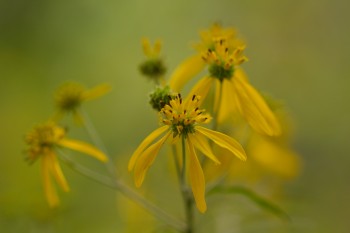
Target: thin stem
pixel 92 132
pixel 217 110
pixel 177 163
pixel 183 172
pixel 127 192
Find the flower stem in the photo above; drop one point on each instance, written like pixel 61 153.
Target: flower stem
pixel 92 132
pixel 217 110
pixel 126 191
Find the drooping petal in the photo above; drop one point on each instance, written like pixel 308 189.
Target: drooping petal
pixel 201 143
pixel 57 172
pixel 224 141
pixel 144 144
pixel 146 159
pixel 185 71
pixel 84 148
pixel 96 91
pixel 197 179
pixel 201 89
pixel 254 108
pixel 50 192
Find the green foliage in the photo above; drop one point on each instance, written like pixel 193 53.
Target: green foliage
pixel 256 198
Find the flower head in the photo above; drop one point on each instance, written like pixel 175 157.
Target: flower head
pixel 42 143
pixel 222 60
pixel 217 33
pixel 70 96
pixel 181 118
pixel 153 67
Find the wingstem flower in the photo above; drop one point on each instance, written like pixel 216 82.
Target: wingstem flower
pixel 153 67
pixel 223 54
pixel 181 119
pixel 43 141
pixel 70 96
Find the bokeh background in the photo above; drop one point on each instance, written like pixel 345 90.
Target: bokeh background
pixel 299 53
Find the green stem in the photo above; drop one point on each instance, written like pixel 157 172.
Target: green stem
pixel 92 132
pixel 126 191
pixel 215 115
pixel 177 163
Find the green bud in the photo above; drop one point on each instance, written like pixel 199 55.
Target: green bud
pixel 160 97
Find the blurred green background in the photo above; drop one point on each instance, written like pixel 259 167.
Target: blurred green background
pixel 298 50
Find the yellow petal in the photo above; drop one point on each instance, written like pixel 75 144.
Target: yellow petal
pixel 224 141
pixel 197 179
pixel 50 192
pixel 146 47
pixel 201 143
pixel 157 47
pixel 144 144
pixel 57 172
pixel 185 71
pixel 254 108
pixel 201 89
pixel 84 148
pixel 146 159
pixel 96 91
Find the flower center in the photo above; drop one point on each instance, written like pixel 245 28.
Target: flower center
pixel 69 97
pixel 153 68
pixel 223 59
pixel 43 138
pixel 182 116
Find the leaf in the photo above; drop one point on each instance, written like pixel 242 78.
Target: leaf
pixel 256 198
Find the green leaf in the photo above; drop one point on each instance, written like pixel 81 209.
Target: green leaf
pixel 256 198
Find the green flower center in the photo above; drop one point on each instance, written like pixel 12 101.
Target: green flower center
pixel 220 72
pixel 160 97
pixel 153 68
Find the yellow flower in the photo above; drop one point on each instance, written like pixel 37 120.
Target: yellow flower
pixel 69 97
pixel 195 64
pixel 270 158
pixel 181 119
pixel 233 90
pixel 43 140
pixel 153 67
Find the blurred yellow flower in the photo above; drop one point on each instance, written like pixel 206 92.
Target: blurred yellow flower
pixel 134 217
pixel 153 67
pixel 234 94
pixel 271 158
pixel 43 140
pixel 181 119
pixel 69 97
